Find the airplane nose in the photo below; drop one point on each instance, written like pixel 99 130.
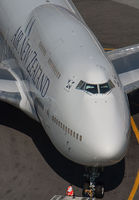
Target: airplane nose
pixel 107 150
pixel 104 126
pixel 108 130
pixel 111 152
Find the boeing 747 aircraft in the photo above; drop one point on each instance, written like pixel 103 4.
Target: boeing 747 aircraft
pixel 53 68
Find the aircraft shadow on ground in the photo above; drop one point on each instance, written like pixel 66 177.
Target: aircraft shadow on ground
pixel 134 102
pixel 69 171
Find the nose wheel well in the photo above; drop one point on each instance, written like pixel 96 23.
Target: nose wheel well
pixel 91 188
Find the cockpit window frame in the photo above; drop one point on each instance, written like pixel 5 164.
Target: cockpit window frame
pixel 82 86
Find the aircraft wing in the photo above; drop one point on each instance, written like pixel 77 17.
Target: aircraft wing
pixel 9 91
pixel 126 63
pixel 13 88
pixel 12 82
pixel 10 87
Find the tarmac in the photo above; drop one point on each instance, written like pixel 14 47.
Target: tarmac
pixel 133 3
pixel 31 168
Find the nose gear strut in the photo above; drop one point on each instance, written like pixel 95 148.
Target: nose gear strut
pixel 90 188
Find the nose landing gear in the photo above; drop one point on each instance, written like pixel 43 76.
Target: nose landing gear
pixel 90 188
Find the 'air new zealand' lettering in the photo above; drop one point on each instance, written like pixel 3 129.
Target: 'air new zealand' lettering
pixel 29 58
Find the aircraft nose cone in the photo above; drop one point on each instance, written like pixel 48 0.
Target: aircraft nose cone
pixel 108 151
pixel 111 152
pixel 107 132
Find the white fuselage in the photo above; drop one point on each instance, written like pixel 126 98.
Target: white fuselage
pixel 56 50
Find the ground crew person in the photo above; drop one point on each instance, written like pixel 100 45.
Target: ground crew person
pixel 70 191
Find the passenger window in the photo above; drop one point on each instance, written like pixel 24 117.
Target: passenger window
pixel 71 132
pixel 74 134
pixel 61 125
pixel 66 128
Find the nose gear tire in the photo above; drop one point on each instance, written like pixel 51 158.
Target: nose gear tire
pixel 99 191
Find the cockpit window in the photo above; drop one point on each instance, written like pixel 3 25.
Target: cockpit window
pixel 91 88
pixel 106 87
pixel 95 88
pixel 81 85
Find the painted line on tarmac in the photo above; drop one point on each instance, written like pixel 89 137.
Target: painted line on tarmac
pixel 135 129
pixel 136 184
pixel 135 187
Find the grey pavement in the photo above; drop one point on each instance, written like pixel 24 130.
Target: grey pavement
pixel 132 3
